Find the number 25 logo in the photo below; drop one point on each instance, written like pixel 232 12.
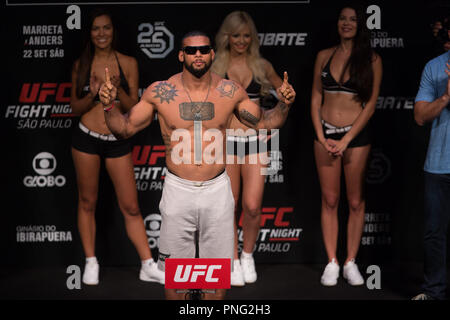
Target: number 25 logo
pixel 155 41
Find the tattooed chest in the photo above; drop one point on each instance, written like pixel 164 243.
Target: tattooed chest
pixel 188 115
pixel 179 111
pixel 172 124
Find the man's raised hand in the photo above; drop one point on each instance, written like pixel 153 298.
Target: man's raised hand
pixel 108 91
pixel 285 92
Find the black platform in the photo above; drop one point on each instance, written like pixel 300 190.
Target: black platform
pixel 275 282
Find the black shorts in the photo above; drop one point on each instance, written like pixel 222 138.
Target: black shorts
pixel 336 133
pixel 106 146
pixel 246 145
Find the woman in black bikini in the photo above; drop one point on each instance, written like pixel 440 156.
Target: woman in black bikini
pixel 345 89
pixel 238 58
pixel 92 142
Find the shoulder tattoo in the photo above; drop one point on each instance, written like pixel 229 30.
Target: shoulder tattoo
pixel 165 91
pixel 227 88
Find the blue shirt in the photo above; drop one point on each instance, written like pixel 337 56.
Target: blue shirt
pixel 433 85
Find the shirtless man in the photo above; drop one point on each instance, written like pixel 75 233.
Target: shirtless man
pixel 197 194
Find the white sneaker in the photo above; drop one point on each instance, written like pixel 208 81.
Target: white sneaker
pixel 90 274
pixel 237 276
pixel 150 272
pixel 330 274
pixel 248 268
pixel 351 273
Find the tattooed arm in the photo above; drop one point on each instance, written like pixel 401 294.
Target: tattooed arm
pixel 248 113
pixel 140 116
pixel 245 110
pixel 275 118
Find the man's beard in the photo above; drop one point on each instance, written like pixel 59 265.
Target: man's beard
pixel 198 73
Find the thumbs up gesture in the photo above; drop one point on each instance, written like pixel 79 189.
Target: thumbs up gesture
pixel 286 92
pixel 108 91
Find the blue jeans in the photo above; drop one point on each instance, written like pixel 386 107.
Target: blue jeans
pixel 437 217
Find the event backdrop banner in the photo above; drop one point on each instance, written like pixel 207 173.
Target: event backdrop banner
pixel 40 205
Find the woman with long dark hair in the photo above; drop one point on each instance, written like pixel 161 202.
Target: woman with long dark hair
pixel 92 142
pixel 238 58
pixel 345 88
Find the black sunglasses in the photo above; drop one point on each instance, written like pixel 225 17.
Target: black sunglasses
pixel 193 50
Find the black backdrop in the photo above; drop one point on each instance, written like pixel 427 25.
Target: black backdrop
pixel 40 225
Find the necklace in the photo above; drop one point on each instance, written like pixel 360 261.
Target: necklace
pixel 197 107
pixel 197 111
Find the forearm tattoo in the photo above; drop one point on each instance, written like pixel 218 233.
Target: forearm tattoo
pixel 165 91
pixel 283 106
pixel 247 116
pixel 227 88
pixel 274 118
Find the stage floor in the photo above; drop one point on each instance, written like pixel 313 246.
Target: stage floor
pixel 275 282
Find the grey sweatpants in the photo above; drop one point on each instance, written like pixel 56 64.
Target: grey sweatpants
pixel 189 206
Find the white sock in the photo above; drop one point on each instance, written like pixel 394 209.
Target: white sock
pixel 91 260
pixel 147 262
pixel 246 255
pixel 352 260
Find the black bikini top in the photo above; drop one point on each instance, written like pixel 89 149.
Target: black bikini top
pixel 331 85
pixel 253 89
pixel 123 83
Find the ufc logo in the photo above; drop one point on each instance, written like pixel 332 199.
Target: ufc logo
pixel 142 155
pixel 39 93
pixel 198 273
pixel 198 270
pixel 272 213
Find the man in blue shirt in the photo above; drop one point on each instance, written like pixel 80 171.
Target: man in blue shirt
pixel 433 104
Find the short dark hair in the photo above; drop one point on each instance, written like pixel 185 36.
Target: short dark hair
pixel 194 33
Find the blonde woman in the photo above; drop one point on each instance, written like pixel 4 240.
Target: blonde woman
pixel 238 59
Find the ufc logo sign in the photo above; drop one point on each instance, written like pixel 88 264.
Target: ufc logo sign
pixel 37 92
pixel 142 155
pixel 198 274
pixel 272 213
